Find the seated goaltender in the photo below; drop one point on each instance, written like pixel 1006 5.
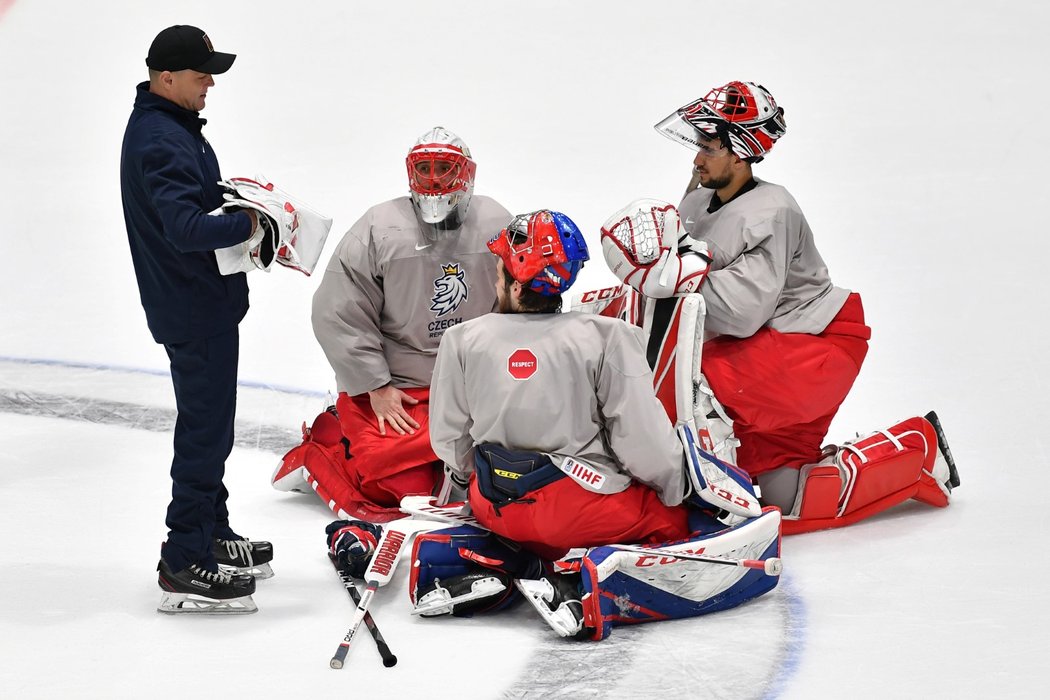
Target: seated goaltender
pixel 573 390
pixel 551 423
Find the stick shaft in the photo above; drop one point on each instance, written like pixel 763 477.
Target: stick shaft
pixel 351 588
pixel 359 615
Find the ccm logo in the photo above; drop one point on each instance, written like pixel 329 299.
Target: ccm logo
pixel 521 364
pixel 658 560
pixel 599 294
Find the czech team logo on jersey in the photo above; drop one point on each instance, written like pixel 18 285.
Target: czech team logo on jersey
pixel 450 290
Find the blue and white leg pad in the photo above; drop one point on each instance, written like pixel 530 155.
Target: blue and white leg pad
pixel 628 587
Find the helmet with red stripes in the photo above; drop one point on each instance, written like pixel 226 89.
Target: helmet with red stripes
pixel 440 176
pixel 544 250
pixel 743 116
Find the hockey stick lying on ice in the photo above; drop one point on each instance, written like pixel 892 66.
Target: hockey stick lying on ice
pixel 351 588
pixel 388 552
pixel 453 513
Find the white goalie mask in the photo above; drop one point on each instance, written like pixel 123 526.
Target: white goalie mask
pixel 440 177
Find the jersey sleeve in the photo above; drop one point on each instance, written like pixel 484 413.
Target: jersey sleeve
pixel 742 296
pixel 346 314
pixel 450 420
pixel 639 432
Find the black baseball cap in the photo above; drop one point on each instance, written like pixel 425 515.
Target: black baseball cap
pixel 183 47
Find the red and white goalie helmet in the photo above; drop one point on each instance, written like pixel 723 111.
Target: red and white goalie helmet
pixel 743 115
pixel 440 176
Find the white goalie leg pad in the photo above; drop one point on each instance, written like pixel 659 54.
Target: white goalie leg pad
pixel 191 604
pixel 298 231
pixel 641 246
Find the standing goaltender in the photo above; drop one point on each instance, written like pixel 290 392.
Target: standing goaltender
pixel 169 183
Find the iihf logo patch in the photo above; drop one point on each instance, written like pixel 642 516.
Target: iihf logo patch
pixel 450 290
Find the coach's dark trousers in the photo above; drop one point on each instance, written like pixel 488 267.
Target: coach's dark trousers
pixel 204 374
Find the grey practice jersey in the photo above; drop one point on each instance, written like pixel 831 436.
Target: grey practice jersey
pixel 766 269
pixel 569 385
pixel 389 293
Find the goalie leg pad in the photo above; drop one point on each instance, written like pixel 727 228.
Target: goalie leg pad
pixel 870 474
pixel 466 570
pixel 626 587
pixel 323 434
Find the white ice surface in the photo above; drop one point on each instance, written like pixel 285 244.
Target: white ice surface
pixel 915 142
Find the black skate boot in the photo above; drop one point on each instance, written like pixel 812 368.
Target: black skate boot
pixel 557 598
pixel 195 590
pixel 944 454
pixel 244 557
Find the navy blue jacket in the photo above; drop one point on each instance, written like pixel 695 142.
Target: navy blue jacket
pixel 169 182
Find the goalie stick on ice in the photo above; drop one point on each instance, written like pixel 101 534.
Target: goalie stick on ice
pixel 351 588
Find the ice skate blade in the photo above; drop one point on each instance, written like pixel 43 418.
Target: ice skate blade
pixel 191 604
pixel 440 602
pixel 259 571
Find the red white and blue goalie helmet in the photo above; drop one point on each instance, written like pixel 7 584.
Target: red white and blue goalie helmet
pixel 440 175
pixel 744 115
pixel 544 250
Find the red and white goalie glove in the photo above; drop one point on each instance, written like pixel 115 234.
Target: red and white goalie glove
pixel 289 231
pixel 643 243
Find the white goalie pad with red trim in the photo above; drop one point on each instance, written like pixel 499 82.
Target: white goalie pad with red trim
pixel 293 234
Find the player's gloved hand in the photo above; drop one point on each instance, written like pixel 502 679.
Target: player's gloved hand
pixel 642 244
pixel 352 543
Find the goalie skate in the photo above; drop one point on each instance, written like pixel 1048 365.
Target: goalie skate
pixel 558 602
pixel 944 469
pixel 244 557
pixel 446 598
pixel 196 591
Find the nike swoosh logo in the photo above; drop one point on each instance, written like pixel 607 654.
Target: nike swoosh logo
pixel 422 247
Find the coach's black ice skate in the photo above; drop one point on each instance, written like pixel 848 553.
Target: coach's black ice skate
pixel 196 590
pixel 244 557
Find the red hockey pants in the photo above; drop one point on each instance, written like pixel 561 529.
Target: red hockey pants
pixel 782 390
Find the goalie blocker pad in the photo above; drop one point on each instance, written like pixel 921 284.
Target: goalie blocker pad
pixel 294 237
pixel 872 473
pixel 625 587
pixel 455 571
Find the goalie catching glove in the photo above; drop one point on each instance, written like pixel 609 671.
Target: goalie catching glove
pixel 289 232
pixel 645 246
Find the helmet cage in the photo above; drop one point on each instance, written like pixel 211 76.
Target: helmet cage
pixel 435 170
pixel 543 250
pixel 744 116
